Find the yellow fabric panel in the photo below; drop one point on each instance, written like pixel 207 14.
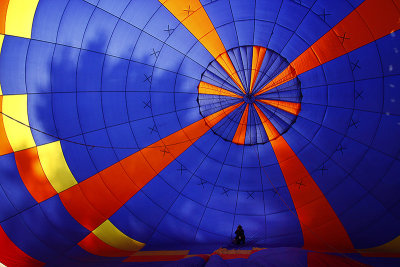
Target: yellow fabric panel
pixel 16 123
pixel 110 235
pixel 193 16
pixel 390 247
pixel 209 89
pixel 1 45
pixel 19 17
pixel 55 167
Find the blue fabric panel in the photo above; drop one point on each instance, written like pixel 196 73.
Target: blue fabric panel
pixel 47 19
pixel 7 208
pixel 385 139
pixel 63 69
pixel 180 33
pixel 115 8
pixel 291 14
pixel 74 22
pixel 141 205
pixel 378 162
pixel 99 149
pixel 160 192
pixel 138 13
pixel 114 74
pixel 38 66
pixel 335 12
pixel 368 95
pixel 99 31
pixel 243 10
pixel 131 225
pixel 60 219
pixel 389 53
pixel 28 242
pixel 346 194
pixel 217 222
pixel 81 167
pixel 198 190
pixel 186 208
pixel 250 203
pixel 365 62
pixel 294 47
pixel 12 65
pixel 250 179
pixel 122 140
pixel 288 226
pixel 176 229
pixel 366 125
pixel 89 71
pixel 41 118
pixel 90 114
pixel 386 189
pixel 41 227
pixel 254 227
pixel 119 45
pixel 209 170
pixel 245 31
pixel 391 95
pixel 113 105
pixel 13 185
pixel 312 21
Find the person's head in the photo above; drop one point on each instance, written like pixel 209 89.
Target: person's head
pixel 239 226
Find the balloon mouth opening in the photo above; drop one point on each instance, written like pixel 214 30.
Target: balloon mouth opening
pixel 249 98
pixel 249 85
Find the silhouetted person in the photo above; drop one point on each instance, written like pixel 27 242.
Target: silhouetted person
pixel 240 238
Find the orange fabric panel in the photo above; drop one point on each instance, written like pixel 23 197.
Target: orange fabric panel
pixel 100 196
pixel 240 134
pixel 371 20
pixel 125 188
pixel 258 58
pixel 322 229
pixel 5 147
pixel 32 174
pixel 315 259
pixel 96 246
pixel 11 255
pixel 193 16
pixel 3 15
pixel 94 200
pixel 271 131
pixel 293 108
pixel 80 208
pixel 209 89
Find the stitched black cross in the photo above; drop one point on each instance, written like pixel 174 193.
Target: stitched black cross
pixel 181 169
pixel 169 30
pixel 250 194
pixel 340 148
pixel 343 37
pixel 359 94
pixel 148 78
pixel 202 182
pixel 324 15
pixel 322 169
pixel 225 191
pixel 300 183
pixel 147 104
pixel 155 53
pixel 353 123
pixel 165 151
pixel 354 65
pixel 189 11
pixel 153 129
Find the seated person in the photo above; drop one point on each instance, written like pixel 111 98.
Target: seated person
pixel 240 238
